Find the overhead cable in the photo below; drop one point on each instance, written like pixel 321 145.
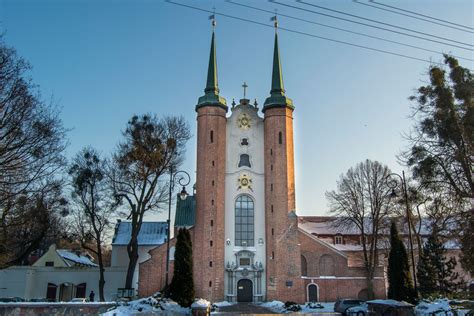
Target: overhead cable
pixel 411 16
pixel 369 25
pixel 379 22
pixel 304 33
pixel 342 29
pixel 424 15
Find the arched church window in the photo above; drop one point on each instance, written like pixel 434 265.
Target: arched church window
pixel 244 221
pixel 244 161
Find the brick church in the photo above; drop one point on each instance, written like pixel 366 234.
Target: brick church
pixel 248 242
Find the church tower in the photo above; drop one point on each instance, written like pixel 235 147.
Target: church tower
pixel 283 269
pixel 208 248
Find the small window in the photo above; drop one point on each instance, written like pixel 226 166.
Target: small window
pixel 244 161
pixel 271 152
pixel 338 240
pixel 272 208
pixel 244 261
pixel 244 142
pixel 280 138
pixel 272 231
pixel 210 264
pixel 271 187
pixel 210 283
pixel 212 182
pixel 271 167
pixel 212 223
pixel 273 255
pixel 213 163
pixel 212 136
pixel 49 264
pixel 210 243
pixel 212 202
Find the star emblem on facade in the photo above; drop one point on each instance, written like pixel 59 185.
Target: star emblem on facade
pixel 244 182
pixel 244 121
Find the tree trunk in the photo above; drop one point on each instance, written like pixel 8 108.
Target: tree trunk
pixel 132 250
pixel 370 285
pixel 101 272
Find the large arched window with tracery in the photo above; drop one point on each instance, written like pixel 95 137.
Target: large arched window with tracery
pixel 244 221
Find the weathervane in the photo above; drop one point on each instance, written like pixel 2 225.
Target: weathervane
pixel 275 20
pixel 213 18
pixel 245 89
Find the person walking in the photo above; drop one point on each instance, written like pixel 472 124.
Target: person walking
pixel 91 296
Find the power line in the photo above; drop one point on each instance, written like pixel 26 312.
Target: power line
pixel 369 25
pixel 303 33
pixel 379 22
pixel 426 16
pixel 342 29
pixel 411 16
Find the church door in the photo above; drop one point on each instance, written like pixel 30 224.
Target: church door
pixel 312 293
pixel 244 291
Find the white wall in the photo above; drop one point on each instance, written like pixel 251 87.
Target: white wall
pixel 120 259
pixel 255 150
pixel 32 282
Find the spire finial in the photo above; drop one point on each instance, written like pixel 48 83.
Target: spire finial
pixel 275 20
pixel 213 18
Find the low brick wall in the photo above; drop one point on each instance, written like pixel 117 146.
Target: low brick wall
pixel 54 309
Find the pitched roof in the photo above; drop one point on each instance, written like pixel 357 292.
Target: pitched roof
pixel 72 258
pixel 151 234
pixel 185 211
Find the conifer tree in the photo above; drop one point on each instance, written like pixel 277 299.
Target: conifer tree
pixel 436 273
pixel 400 285
pixel 182 285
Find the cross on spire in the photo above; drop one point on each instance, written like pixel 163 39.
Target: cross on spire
pixel 245 86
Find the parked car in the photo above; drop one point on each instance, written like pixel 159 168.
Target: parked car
pixel 360 310
pixel 390 308
pixel 39 300
pixel 11 299
pixel 342 305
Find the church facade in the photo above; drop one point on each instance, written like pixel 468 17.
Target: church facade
pixel 246 242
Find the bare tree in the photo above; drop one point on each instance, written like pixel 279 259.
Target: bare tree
pixel 151 147
pixel 362 200
pixel 94 208
pixel 32 142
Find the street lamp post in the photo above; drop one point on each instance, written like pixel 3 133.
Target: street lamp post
pixel 183 180
pixel 394 184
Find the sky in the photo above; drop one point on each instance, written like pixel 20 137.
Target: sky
pixel 101 61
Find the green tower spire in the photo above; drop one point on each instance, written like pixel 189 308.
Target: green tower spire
pixel 211 93
pixel 277 96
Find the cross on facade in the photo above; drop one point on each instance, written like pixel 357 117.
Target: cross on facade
pixel 245 89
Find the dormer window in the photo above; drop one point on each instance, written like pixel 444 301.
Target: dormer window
pixel 338 239
pixel 244 161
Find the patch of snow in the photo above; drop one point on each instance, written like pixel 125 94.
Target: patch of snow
pixel 276 306
pixel 318 307
pixel 223 303
pixel 200 303
pixel 149 304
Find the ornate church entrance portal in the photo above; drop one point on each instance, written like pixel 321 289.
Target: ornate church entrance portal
pixel 312 293
pixel 244 291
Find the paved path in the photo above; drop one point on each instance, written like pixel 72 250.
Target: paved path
pixel 244 309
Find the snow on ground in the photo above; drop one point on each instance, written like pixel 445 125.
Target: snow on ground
pixel 223 304
pixel 150 304
pixel 279 307
pixel 440 306
pixel 200 303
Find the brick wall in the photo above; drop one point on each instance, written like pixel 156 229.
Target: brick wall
pixel 283 268
pixel 210 203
